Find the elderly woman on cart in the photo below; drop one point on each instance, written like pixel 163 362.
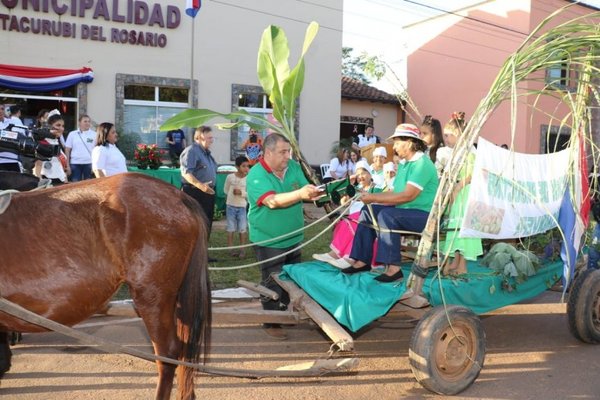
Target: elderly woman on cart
pixel 406 208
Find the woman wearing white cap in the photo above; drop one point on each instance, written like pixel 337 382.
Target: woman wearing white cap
pixel 344 231
pixel 406 208
pixel 389 175
pixel 379 159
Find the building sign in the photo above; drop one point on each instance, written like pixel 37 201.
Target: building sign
pixel 49 20
pixel 512 194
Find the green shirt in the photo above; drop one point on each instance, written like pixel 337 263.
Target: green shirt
pixel 421 173
pixel 266 223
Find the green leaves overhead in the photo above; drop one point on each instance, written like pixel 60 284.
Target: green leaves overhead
pixel 274 51
pixel 195 117
pixel 282 86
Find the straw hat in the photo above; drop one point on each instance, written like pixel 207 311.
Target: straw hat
pixel 407 130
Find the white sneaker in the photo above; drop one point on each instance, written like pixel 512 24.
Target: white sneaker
pixel 325 257
pixel 340 263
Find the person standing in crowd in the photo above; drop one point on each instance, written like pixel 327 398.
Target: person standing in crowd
pixel 339 166
pixel 368 138
pixel 42 118
pixel 15 115
pixel 78 148
pixel 235 190
pixel 9 161
pixel 107 159
pixel 56 169
pixel 461 249
pixel 431 132
pixel 176 141
pixel 253 147
pixel 199 172
pixel 276 188
pixel 406 208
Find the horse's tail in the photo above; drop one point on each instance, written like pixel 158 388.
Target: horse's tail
pixel 194 302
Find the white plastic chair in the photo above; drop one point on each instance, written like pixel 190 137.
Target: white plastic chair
pixel 324 169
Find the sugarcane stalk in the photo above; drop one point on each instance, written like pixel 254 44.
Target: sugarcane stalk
pixel 524 62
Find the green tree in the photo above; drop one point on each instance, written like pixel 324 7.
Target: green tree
pixel 354 66
pixel 363 67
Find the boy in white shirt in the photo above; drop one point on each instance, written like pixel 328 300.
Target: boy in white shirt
pixel 235 190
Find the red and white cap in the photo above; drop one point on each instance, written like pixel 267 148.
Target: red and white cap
pixel 406 130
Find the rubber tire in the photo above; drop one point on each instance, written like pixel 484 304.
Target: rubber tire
pixel 583 307
pixel 434 336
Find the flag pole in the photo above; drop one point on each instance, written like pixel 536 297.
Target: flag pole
pixel 192 66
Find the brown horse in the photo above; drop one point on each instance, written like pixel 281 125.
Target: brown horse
pixel 66 250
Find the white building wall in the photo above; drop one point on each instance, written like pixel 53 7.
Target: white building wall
pixel 227 36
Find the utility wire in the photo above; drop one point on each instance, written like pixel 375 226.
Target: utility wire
pixel 273 15
pixel 458 58
pixel 467 17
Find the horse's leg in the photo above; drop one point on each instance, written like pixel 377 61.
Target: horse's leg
pixel 5 354
pixel 15 337
pixel 157 315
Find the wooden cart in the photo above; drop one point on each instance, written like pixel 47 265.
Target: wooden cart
pixel 448 344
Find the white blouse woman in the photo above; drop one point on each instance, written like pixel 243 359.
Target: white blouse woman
pixel 107 159
pixel 339 166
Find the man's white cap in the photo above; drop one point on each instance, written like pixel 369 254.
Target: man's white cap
pixel 380 151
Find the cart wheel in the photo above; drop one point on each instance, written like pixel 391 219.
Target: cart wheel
pixel 583 308
pixel 447 349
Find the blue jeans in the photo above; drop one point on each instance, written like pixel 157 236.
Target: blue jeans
pixel 80 172
pixel 593 253
pixel 237 220
pixel 388 248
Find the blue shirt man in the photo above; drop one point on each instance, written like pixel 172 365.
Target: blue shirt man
pixel 199 171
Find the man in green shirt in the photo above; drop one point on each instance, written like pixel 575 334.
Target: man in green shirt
pixel 276 187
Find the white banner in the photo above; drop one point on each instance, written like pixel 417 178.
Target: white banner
pixel 512 194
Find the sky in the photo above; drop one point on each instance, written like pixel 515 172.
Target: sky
pixel 375 27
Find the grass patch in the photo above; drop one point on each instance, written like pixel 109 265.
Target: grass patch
pixel 228 278
pixel 225 279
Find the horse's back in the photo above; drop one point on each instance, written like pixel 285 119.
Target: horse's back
pixel 70 247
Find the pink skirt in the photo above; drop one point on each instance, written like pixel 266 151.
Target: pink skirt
pixel 343 235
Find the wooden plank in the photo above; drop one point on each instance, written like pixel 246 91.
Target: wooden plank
pixel 299 298
pixel 238 315
pixel 121 309
pixel 255 287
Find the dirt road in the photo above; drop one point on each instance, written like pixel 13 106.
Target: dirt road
pixel 530 355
